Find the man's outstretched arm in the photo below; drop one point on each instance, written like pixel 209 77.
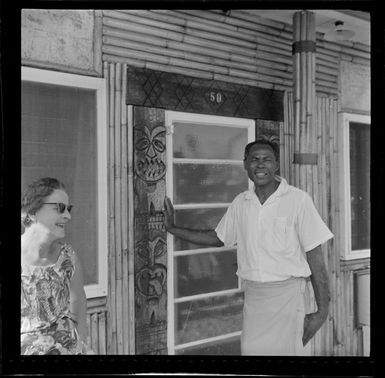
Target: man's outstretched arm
pixel 203 237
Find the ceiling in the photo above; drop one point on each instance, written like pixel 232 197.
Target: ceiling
pixel 357 21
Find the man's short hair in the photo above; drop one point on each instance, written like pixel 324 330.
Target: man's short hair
pixel 272 145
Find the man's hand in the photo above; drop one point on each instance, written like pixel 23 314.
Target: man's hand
pixel 313 322
pixel 168 214
pixel 200 237
pixel 319 280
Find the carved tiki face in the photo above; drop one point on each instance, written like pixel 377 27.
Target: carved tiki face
pixel 150 145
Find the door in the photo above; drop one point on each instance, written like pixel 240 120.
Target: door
pixel 205 172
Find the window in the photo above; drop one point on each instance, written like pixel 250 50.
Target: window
pixel 64 136
pixel 355 203
pixel 205 160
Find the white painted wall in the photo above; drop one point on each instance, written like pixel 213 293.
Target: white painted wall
pixel 355 87
pixel 61 39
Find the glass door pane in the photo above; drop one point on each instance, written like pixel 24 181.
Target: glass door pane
pixel 205 174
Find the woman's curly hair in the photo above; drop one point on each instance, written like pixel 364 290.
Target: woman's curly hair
pixel 34 196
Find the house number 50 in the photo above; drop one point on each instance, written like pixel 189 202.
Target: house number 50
pixel 216 97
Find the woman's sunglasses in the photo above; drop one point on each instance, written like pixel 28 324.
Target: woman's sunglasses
pixel 61 207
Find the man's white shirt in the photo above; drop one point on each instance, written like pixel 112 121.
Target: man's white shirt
pixel 272 238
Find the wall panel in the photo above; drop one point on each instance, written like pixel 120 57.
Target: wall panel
pixel 236 46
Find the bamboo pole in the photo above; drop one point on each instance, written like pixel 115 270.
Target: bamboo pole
pixel 323 69
pixel 327 86
pixel 259 24
pixel 333 252
pixel 166 60
pixel 355 60
pixel 297 88
pixel 291 136
pixel 303 97
pixel 340 49
pixel 194 26
pixel 350 301
pixel 124 225
pixel 189 72
pixel 213 50
pixel 345 306
pixel 282 140
pixel 256 30
pixel 94 333
pixel 335 255
pixel 329 126
pixel 131 225
pixel 133 47
pixel 326 92
pixel 118 208
pixel 327 247
pixel 332 79
pixel 159 67
pixel 102 333
pixel 279 85
pixel 318 199
pixel 110 72
pixel 197 38
pixel 240 16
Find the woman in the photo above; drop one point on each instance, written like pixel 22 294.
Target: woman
pixel 53 301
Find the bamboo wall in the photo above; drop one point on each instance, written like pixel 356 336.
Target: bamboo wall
pixel 236 46
pixel 241 48
pixel 339 336
pixel 111 320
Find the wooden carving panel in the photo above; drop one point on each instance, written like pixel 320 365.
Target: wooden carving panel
pixel 150 234
pixel 171 91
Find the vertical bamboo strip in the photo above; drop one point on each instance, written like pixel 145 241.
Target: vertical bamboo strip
pixel 118 209
pixel 317 201
pixel 124 195
pixel 344 306
pixel 111 264
pixel 323 188
pixel 297 94
pixel 102 332
pixel 94 333
pixel 282 149
pixel 331 126
pixel 332 250
pixel 291 137
pixel 312 99
pixel 323 195
pixel 350 312
pixel 303 97
pixel 131 244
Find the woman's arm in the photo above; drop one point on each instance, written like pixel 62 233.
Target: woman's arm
pixel 78 301
pixel 203 237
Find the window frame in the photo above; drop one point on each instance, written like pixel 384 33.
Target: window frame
pixel 345 194
pixel 36 75
pixel 172 117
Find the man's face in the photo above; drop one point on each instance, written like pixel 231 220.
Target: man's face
pixel 261 164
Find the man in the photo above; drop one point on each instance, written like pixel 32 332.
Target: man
pixel 278 233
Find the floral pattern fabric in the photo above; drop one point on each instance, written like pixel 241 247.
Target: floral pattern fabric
pixel 47 326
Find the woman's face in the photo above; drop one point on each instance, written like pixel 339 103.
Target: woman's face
pixel 49 218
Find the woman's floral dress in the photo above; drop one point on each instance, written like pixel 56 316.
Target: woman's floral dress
pixel 47 326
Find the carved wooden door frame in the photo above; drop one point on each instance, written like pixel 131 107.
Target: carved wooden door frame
pixel 151 93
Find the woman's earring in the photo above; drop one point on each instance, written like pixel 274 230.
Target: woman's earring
pixel 30 219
